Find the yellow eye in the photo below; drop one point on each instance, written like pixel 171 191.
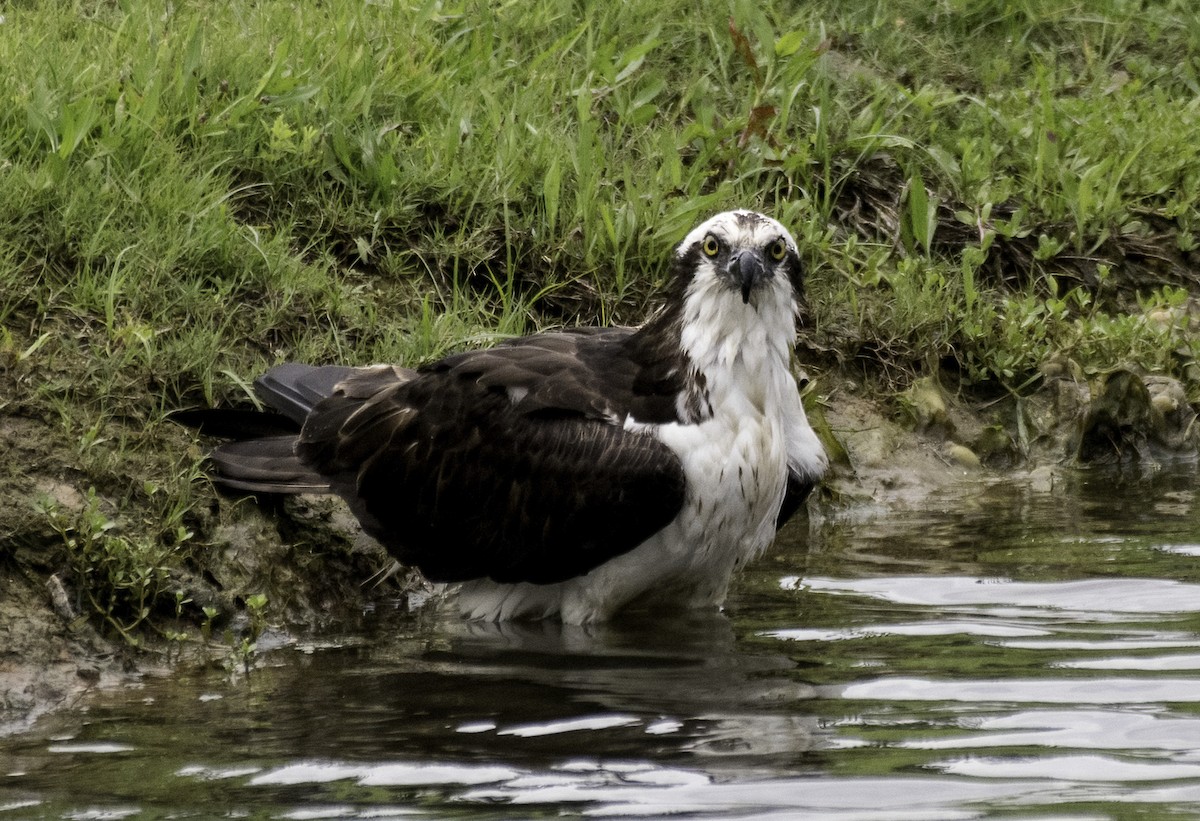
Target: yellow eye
pixel 710 246
pixel 778 250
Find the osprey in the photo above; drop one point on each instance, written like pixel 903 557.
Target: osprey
pixel 569 474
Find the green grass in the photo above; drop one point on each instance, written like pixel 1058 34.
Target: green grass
pixel 190 192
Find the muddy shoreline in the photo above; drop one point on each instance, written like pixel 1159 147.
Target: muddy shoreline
pixel 317 570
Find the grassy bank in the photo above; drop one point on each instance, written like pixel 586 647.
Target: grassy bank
pixel 191 192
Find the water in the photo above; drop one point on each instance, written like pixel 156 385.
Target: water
pixel 1007 650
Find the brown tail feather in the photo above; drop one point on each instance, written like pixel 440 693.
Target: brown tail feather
pixel 267 465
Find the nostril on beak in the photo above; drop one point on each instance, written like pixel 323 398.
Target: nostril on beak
pixel 747 269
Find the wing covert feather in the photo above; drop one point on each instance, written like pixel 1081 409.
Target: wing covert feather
pixel 458 480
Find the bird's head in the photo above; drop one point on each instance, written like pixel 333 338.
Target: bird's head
pixel 745 253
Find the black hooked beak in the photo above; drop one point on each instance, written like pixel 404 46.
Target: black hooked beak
pixel 748 268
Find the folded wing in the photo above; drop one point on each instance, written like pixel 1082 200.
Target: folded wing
pixel 511 464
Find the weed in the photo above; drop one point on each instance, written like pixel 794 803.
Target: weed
pixel 244 648
pixel 122 580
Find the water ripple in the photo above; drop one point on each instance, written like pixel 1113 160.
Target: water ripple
pixel 1071 729
pixel 1068 768
pixel 1104 599
pixel 1026 691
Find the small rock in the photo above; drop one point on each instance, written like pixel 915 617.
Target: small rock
pixel 1164 403
pixel 62 495
pixel 994 444
pixel 1162 316
pixel 925 406
pixel 60 599
pixel 1173 421
pixel 962 455
pixel 1061 366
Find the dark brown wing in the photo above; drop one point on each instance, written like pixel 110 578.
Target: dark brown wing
pixel 502 463
pixel 597 373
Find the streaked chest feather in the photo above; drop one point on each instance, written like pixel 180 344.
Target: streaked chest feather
pixel 736 467
pixel 735 460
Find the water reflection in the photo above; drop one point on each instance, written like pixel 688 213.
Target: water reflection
pixel 531 711
pixel 514 692
pixel 1007 650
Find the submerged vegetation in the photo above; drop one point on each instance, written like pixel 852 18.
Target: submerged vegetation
pixel 191 192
